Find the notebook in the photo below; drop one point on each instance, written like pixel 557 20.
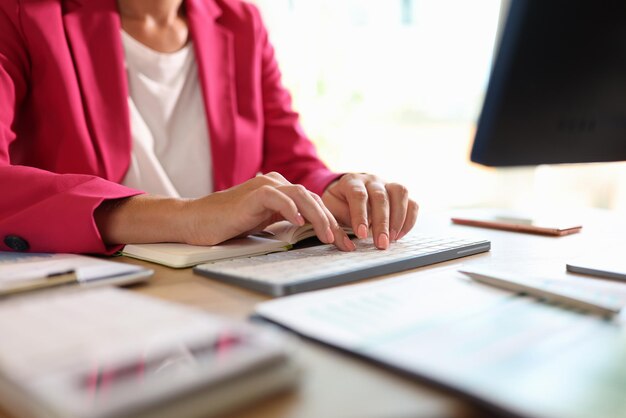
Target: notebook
pixel 109 352
pixel 19 271
pixel 280 236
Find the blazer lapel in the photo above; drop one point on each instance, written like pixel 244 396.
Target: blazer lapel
pixel 213 46
pixel 93 32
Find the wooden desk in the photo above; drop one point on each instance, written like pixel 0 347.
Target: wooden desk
pixel 335 384
pixel 338 385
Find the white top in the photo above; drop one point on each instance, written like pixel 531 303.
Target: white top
pixel 171 153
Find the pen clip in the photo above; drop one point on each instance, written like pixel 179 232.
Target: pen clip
pixel 51 280
pixel 60 273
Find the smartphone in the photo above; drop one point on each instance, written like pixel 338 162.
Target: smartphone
pixel 507 222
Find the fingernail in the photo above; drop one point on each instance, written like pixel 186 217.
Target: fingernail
pixel 330 237
pixel 349 244
pixel 362 231
pixel 383 241
pixel 393 236
pixel 300 219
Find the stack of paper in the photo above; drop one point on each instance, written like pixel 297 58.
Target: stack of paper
pixel 109 352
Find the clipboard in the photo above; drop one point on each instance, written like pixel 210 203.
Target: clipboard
pixel 26 272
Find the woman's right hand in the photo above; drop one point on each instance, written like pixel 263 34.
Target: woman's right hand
pixel 255 204
pixel 210 220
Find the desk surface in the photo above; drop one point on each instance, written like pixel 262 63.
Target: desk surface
pixel 335 384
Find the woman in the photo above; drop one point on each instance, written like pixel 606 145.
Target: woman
pixel 102 101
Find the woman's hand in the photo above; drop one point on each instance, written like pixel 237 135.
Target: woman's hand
pixel 257 203
pixel 246 208
pixel 363 201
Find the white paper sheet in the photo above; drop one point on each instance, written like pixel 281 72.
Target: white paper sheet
pixel 518 353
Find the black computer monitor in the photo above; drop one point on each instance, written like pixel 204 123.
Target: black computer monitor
pixel 557 91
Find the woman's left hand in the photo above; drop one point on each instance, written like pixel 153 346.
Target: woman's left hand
pixel 364 200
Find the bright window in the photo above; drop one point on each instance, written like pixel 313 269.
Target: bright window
pixel 395 87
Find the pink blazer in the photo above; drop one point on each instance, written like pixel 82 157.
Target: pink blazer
pixel 65 138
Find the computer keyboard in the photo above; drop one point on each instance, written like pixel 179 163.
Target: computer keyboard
pixel 300 270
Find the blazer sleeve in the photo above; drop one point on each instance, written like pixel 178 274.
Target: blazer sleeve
pixel 287 149
pixel 44 211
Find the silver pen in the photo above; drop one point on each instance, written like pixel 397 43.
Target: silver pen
pixel 568 294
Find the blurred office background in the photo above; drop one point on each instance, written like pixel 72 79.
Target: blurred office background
pixel 395 87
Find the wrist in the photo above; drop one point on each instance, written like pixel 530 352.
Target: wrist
pixel 173 216
pixel 142 219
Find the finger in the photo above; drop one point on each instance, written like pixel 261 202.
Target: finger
pixel 311 211
pixel 411 218
pixel 277 177
pixel 270 179
pixel 272 200
pixel 356 195
pixel 379 213
pixel 398 206
pixel 341 241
